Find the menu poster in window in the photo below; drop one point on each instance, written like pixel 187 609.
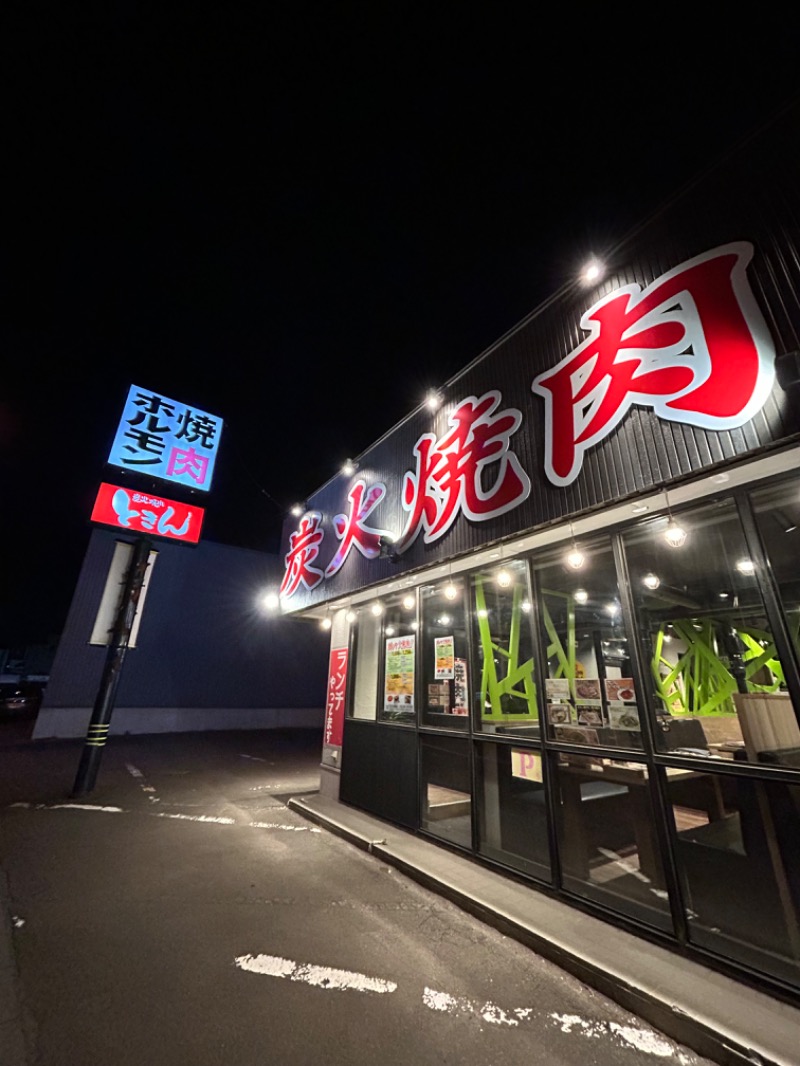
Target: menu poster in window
pixel 461 690
pixel 590 715
pixel 557 688
pixel 439 694
pixel 621 716
pixel 444 654
pixel 399 674
pixel 575 734
pixel 588 688
pixel 620 688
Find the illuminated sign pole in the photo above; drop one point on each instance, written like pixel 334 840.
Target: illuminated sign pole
pixel 159 438
pixel 104 704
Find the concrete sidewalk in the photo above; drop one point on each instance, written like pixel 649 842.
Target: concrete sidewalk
pixel 705 1010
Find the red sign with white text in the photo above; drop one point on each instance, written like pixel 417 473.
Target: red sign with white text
pixel 142 512
pixel 334 704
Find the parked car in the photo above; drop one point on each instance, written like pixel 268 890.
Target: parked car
pixel 20 698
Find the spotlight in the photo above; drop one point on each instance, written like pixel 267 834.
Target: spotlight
pixel 504 578
pixel 746 566
pixel 270 601
pixel 409 603
pixel 348 468
pixel 592 272
pixel 581 596
pixel 377 609
pixel 325 623
pixel 433 400
pixel 652 581
pixel 450 591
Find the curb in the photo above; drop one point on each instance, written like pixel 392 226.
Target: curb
pixel 682 1022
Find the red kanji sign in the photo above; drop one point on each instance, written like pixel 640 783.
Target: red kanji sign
pixel 471 469
pixel 143 512
pixel 693 346
pixel 303 550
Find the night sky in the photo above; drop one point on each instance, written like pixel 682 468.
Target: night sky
pixel 298 217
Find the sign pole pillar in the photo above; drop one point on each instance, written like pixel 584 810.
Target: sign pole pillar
pixel 104 703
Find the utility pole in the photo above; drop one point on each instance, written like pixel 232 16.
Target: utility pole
pixel 104 703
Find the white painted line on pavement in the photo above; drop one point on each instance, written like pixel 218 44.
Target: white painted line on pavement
pixel 134 771
pixel 490 1012
pixel 643 1040
pixel 319 976
pixel 197 818
pixel 78 807
pixel 288 828
pixel 166 814
pixel 66 806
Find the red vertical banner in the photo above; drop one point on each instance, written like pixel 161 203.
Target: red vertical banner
pixel 337 687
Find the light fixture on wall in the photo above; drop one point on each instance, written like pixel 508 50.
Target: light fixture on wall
pixel 326 622
pixel 504 578
pixel 450 591
pixel 377 609
pixel 433 401
pixel 349 468
pixel 351 616
pixel 575 558
pixel 651 580
pixel 409 602
pixel 296 510
pixel 581 596
pixel 746 566
pixel 674 534
pixel 269 600
pixel 593 271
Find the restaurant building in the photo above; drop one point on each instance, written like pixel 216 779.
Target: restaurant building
pixel 564 605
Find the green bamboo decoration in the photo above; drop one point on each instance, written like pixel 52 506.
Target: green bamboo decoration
pixel 500 692
pixel 565 657
pixel 700 682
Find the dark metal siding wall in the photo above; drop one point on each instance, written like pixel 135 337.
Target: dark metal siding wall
pixel 753 197
pixel 202 641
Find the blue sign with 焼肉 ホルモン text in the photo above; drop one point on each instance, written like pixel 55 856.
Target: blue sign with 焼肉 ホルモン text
pixel 162 438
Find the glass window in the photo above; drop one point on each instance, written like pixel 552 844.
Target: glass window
pixel 512 812
pixel 446 788
pixel 707 640
pixel 607 840
pixel 739 866
pixel 777 510
pixel 505 692
pixel 589 692
pixel 445 673
pixel 399 659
